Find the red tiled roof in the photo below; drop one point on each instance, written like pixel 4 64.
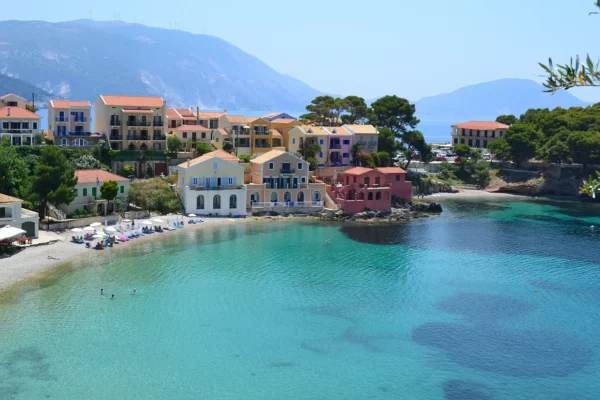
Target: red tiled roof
pixel 133 101
pixel 223 131
pixel 391 170
pixel 283 121
pixel 4 198
pixel 191 128
pixel 17 112
pixel 126 111
pixel 90 175
pixel 218 153
pixel 275 133
pixel 184 112
pixel 237 119
pixel 481 125
pixel 211 114
pixel 69 103
pixel 357 171
pixel 172 113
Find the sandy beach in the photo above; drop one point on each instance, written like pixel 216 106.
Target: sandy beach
pixel 34 261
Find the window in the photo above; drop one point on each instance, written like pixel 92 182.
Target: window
pixel 273 197
pixel 271 165
pixel 25 125
pixel 397 177
pixel 215 165
pixel 299 165
pixel 203 135
pixel 378 196
pixel 485 133
pixel 500 133
pixel 455 140
pixel 233 201
pixel 485 142
pixel 5 125
pixel 462 141
pixel 84 192
pixel 76 192
pixel 303 179
pixel 346 155
pixel 217 202
pixel 370 196
pixel 470 132
pixel 300 196
pixel 321 155
pixel 477 133
pixel 2 212
pixel 493 134
pixel 200 202
pixel 321 142
pixel 463 132
pixel 122 189
pixel 293 140
pixel 94 192
pixel 35 125
pixel 184 134
pixel 470 142
pixel 346 141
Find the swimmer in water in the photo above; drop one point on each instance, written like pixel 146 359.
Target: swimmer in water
pixel 328 241
pixel 101 291
pixel 112 297
pixel 134 290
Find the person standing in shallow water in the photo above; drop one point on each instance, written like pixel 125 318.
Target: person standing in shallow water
pixel 112 297
pixel 101 291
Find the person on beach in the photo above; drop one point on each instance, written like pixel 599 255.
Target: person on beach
pixel 101 291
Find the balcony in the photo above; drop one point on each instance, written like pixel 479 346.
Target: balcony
pixel 287 170
pixel 157 137
pixel 115 122
pixel 222 187
pixel 259 133
pixel 74 133
pixel 137 137
pixel 262 145
pixel 158 123
pixel 80 120
pixel 61 119
pixel 116 137
pixel 22 131
pixel 138 123
pixel 335 146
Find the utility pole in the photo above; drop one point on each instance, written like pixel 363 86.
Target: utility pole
pixel 33 100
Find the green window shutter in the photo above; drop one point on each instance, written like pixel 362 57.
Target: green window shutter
pixel 84 192
pixel 122 189
pixel 94 192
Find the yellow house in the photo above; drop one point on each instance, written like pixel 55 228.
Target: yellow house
pixel 132 122
pixel 239 132
pixel 284 126
pixel 212 184
pixel 281 179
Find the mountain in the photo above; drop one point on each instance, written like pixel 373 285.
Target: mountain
pixel 84 58
pixel 488 100
pixel 24 89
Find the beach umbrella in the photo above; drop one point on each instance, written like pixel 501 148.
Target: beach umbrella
pixel 96 224
pixel 192 215
pixel 89 229
pixel 110 229
pixel 158 220
pixel 126 220
pixel 98 236
pixel 76 230
pixel 146 223
pixel 10 232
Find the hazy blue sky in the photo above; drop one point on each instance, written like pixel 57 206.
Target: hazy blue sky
pixel 411 48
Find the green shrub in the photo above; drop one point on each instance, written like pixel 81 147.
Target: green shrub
pixel 155 195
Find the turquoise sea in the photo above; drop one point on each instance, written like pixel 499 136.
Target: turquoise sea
pixel 488 301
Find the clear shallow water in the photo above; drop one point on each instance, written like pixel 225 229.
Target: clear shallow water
pixel 444 308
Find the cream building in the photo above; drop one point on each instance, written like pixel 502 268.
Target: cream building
pixel 89 196
pixel 238 131
pixel 70 123
pixel 20 125
pixel 132 122
pixel 301 136
pixel 212 184
pixel 279 178
pixel 366 136
pixel 12 100
pixel 477 134
pixel 11 213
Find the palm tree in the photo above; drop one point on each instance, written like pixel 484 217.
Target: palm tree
pixel 355 152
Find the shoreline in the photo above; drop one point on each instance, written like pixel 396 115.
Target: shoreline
pixel 33 262
pixel 476 194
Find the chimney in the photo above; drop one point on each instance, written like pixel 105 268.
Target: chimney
pixel 189 163
pixel 225 111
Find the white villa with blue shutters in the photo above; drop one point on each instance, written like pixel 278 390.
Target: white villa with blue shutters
pixel 212 184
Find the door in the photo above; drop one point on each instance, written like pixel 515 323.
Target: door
pixel 295 182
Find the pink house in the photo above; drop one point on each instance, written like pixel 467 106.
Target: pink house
pixel 366 188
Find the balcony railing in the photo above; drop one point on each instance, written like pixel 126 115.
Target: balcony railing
pixel 137 137
pixel 288 204
pixel 262 145
pixel 261 132
pixel 80 120
pixel 138 123
pixel 287 170
pixel 74 133
pixel 222 187
pixel 158 123
pixel 155 137
pixel 62 119
pixel 115 122
pixel 116 137
pixel 335 146
pixel 16 130
pixel 288 186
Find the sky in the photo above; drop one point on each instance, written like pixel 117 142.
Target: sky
pixel 411 48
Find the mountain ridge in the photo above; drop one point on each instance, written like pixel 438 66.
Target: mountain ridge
pixel 84 58
pixel 24 89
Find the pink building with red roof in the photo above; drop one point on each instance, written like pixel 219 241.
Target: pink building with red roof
pixel 477 134
pixel 359 189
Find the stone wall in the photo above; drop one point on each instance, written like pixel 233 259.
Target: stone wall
pixel 284 210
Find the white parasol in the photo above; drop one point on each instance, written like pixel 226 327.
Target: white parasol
pixel 98 236
pixel 192 215
pixel 96 224
pixel 76 230
pixel 158 220
pixel 89 229
pixel 126 220
pixel 146 223
pixel 110 229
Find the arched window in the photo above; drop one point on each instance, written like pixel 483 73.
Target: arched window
pixel 300 196
pixel 200 202
pixel 316 196
pixel 79 142
pixel 64 142
pixel 131 146
pixel 361 195
pixel 370 196
pixel 254 198
pixel 233 201
pixel 217 202
pixel 378 196
pixel 287 197
pixel 273 197
pixel 144 147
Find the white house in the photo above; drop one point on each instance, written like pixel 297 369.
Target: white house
pixel 88 191
pixel 11 213
pixel 20 125
pixel 212 184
